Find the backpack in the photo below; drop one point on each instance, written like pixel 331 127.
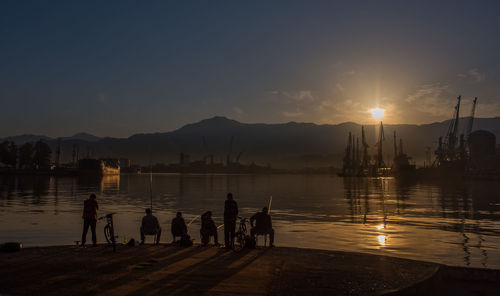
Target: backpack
pixel 250 242
pixel 186 241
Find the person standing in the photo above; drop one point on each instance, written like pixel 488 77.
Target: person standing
pixel 90 208
pixel 230 215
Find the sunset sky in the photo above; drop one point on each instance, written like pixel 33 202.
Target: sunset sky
pixel 115 68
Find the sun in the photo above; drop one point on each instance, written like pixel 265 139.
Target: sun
pixel 377 113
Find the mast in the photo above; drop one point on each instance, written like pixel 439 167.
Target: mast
pixel 357 150
pixel 58 153
pixel 353 151
pixel 349 153
pixel 347 157
pixel 395 146
pixel 381 137
pixel 453 130
pixel 365 147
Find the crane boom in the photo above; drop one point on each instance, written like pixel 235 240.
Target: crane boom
pixel 471 120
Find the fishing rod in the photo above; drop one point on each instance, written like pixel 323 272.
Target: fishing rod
pixel 150 182
pixel 269 205
pixel 151 189
pixel 194 219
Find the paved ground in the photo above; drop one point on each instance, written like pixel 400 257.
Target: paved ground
pixel 171 270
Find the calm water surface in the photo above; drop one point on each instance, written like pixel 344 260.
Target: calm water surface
pixel 455 223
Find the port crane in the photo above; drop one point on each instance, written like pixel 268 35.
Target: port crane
pixel 380 159
pixel 471 119
pixel 452 152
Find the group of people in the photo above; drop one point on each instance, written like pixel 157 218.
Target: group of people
pixel 151 226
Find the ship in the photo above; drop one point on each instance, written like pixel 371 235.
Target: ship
pixel 98 167
pixel 402 167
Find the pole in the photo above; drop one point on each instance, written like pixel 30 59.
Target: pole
pixel 269 205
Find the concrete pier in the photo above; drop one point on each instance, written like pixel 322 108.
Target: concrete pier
pixel 171 270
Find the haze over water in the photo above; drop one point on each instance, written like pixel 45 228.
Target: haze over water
pixel 453 223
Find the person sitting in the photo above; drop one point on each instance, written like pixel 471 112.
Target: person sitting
pixel 262 226
pixel 150 226
pixel 178 227
pixel 208 229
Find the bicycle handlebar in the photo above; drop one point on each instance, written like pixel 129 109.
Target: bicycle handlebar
pixel 106 216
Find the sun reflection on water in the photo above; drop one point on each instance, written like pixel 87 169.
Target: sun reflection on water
pixel 382 239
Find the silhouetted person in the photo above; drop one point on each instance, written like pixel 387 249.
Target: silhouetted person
pixel 263 225
pixel 150 226
pixel 178 226
pixel 208 229
pixel 230 215
pixel 90 208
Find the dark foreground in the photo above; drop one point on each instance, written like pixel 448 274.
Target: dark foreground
pixel 169 270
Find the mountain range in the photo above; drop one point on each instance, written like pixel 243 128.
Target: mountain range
pixel 286 145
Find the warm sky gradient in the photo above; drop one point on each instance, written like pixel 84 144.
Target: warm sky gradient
pixel 123 67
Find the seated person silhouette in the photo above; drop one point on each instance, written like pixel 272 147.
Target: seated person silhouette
pixel 178 227
pixel 262 226
pixel 150 226
pixel 208 229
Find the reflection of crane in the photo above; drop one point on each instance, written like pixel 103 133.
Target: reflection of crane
pixel 471 120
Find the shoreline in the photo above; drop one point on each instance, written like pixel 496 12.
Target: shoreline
pixel 196 270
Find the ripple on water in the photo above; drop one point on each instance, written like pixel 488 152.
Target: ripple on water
pixel 456 224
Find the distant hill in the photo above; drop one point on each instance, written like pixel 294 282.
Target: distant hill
pixel 19 140
pixel 290 144
pixel 82 136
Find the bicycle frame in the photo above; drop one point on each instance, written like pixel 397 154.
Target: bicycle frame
pixel 240 236
pixel 109 231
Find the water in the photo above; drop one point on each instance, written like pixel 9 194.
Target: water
pixel 455 223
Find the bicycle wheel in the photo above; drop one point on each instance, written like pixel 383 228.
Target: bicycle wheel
pixel 240 242
pixel 108 234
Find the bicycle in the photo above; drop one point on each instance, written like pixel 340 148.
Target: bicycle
pixel 241 236
pixel 109 230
